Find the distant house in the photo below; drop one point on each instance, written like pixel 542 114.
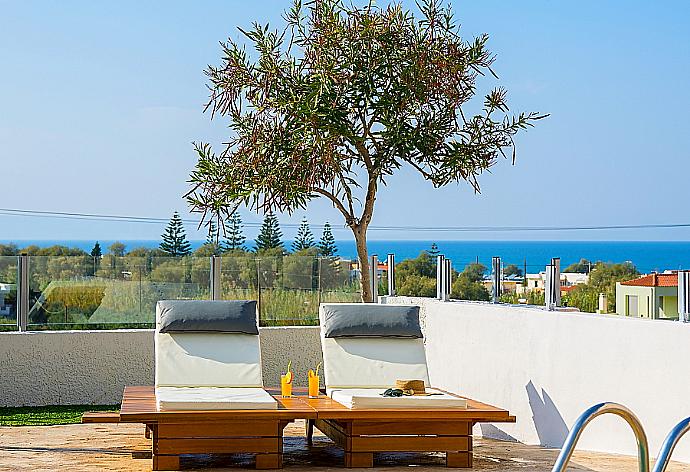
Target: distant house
pixel 652 296
pixel 510 284
pixel 537 282
pixel 381 269
pixel 5 309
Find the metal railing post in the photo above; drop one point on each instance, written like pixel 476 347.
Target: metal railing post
pixel 495 279
pixel 141 290
pixel 556 264
pixel 215 278
pixel 440 266
pixel 258 287
pixel 318 280
pixel 445 279
pixel 390 263
pixel 552 287
pixel 374 272
pixel 683 296
pixel 449 278
pixel 548 291
pixel 22 292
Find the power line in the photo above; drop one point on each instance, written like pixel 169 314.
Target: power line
pixel 445 229
pixel 99 217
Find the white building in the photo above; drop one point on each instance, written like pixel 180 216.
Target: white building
pixel 538 281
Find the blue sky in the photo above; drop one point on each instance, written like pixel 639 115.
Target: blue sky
pixel 99 103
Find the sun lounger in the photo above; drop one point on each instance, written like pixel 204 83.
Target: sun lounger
pixel 208 356
pixel 208 395
pixel 366 348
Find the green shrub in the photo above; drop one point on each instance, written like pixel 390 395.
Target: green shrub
pixel 414 285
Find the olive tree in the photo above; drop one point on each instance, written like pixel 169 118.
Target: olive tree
pixel 341 98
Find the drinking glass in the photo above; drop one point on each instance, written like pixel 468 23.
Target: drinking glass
pixel 313 386
pixel 286 385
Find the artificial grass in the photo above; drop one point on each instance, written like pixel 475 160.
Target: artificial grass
pixel 48 415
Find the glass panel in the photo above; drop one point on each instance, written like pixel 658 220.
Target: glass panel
pixel 338 282
pixel 80 292
pixel 75 292
pixel 294 299
pixel 63 291
pixel 238 275
pixel 8 293
pixel 287 288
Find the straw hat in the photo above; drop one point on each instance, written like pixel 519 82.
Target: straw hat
pixel 411 387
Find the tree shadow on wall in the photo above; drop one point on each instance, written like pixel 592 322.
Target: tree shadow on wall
pixel 549 423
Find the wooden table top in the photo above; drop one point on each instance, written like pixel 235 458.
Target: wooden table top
pixel 139 406
pixel 329 409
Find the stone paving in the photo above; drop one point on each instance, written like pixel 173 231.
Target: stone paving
pixel 122 447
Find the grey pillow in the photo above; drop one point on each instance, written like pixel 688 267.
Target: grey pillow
pixel 369 320
pixel 204 316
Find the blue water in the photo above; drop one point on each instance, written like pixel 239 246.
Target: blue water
pixel 646 255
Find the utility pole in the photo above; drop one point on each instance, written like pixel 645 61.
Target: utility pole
pixel 524 272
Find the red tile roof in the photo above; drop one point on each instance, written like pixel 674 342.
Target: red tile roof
pixel 654 280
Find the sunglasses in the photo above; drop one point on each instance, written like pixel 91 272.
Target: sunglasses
pixel 393 392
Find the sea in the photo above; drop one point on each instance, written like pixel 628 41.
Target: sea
pixel 647 256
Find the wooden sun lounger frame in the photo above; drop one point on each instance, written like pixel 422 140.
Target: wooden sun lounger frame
pixel 177 432
pixel 360 432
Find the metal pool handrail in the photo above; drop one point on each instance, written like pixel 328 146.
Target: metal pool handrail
pixel 669 445
pixel 589 415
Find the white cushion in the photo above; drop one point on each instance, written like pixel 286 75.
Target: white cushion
pixel 354 398
pixel 214 398
pixel 207 360
pixel 372 362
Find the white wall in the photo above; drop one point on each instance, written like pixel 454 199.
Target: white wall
pixel 92 367
pixel 545 367
pixel 548 367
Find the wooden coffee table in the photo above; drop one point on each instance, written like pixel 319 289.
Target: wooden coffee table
pixel 176 432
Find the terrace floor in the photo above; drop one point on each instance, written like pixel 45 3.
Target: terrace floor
pixel 123 447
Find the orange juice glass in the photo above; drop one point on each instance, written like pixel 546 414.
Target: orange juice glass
pixel 313 386
pixel 286 385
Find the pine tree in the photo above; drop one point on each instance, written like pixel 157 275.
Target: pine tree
pixel 304 238
pixel 329 268
pixel 175 239
pixel 213 233
pixel 269 234
pixel 433 252
pixel 96 252
pixel 96 255
pixel 235 238
pixel 327 247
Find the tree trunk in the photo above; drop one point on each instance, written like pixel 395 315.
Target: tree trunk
pixel 360 233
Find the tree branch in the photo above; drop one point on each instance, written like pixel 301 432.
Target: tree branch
pixel 369 200
pixel 348 193
pixel 425 173
pixel 364 152
pixel 349 217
